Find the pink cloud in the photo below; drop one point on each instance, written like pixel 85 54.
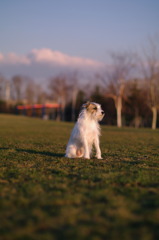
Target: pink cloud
pixel 1 57
pixel 13 58
pixel 48 56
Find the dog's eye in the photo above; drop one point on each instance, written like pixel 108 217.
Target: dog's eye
pixel 95 108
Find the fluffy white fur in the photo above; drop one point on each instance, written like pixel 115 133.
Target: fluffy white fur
pixel 86 132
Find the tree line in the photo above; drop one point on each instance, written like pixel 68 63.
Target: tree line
pixel 128 90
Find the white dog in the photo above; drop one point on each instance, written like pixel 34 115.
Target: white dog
pixel 86 132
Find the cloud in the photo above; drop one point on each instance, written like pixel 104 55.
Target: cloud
pixel 48 56
pixel 13 58
pixel 1 57
pixel 41 64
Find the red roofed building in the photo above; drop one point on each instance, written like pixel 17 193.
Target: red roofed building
pixel 45 111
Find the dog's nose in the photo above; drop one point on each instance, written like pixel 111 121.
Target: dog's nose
pixel 102 112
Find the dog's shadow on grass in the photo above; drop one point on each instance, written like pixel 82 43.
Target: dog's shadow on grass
pixel 50 154
pixel 31 151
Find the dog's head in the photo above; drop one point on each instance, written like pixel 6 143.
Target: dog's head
pixel 94 110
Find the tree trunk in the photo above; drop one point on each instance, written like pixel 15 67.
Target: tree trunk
pixel 154 117
pixel 74 98
pixel 118 109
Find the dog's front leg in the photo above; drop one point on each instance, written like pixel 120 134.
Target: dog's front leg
pixel 98 151
pixel 86 149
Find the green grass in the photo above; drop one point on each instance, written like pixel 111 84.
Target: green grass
pixel 45 196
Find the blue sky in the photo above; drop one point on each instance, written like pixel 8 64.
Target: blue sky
pixel 83 28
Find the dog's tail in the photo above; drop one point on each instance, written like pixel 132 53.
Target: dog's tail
pixel 79 152
pixel 73 152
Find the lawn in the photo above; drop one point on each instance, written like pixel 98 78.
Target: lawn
pixel 45 196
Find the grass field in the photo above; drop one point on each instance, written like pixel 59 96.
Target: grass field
pixel 45 196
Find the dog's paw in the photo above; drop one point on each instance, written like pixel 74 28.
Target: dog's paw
pixel 98 157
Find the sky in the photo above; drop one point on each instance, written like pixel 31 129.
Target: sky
pixel 37 36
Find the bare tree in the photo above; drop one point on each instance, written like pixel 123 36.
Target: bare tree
pixel 59 88
pixel 135 105
pixel 2 82
pixel 73 80
pixel 17 85
pixel 115 80
pixel 7 91
pixel 30 92
pixel 150 68
pixel 40 94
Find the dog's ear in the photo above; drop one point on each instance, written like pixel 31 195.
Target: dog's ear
pixel 86 105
